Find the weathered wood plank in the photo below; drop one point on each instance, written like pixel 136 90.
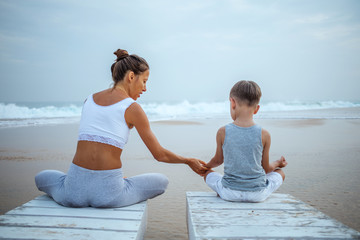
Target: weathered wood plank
pixel 254 217
pixel 69 222
pixel 61 234
pixel 280 217
pixel 252 206
pixel 272 232
pixel 76 212
pixel 281 201
pixel 39 202
pixel 42 218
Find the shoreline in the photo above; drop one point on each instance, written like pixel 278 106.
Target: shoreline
pixel 344 113
pixel 323 156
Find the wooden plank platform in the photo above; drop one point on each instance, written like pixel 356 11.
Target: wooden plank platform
pixel 42 218
pixel 279 217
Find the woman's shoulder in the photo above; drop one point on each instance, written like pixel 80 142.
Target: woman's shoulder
pixel 136 116
pixel 134 107
pixel 101 94
pixel 107 98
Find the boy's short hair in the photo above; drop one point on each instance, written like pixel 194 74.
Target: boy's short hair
pixel 247 92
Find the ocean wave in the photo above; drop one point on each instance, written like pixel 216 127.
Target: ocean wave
pixel 13 115
pixel 14 111
pixel 185 109
pixel 299 105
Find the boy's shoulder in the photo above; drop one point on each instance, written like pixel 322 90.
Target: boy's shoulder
pixel 220 135
pixel 265 136
pixel 221 130
pixel 265 132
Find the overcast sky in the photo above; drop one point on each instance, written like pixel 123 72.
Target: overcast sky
pixel 295 49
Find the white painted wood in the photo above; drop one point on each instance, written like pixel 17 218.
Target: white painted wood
pixel 42 218
pixel 252 218
pixel 76 212
pixel 70 222
pixel 279 217
pixel 61 234
pixel 266 232
pixel 39 202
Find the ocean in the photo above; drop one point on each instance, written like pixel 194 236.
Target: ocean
pixel 20 114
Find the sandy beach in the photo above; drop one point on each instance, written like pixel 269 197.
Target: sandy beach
pixel 323 170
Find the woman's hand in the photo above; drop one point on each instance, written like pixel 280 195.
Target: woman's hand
pixel 197 166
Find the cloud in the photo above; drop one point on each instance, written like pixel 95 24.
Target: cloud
pixel 337 32
pixel 314 19
pixel 14 39
pixel 11 45
pixel 206 40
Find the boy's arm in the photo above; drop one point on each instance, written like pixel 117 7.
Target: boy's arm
pixel 218 159
pixel 269 167
pixel 266 141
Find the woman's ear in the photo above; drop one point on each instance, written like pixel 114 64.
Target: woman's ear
pixel 131 76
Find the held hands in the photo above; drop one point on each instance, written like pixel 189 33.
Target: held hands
pixel 197 166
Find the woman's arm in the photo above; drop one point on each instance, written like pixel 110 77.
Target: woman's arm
pixel 136 116
pixel 218 159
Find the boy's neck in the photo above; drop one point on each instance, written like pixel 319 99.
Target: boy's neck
pixel 244 116
pixel 244 122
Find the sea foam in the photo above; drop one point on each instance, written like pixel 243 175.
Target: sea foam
pixel 16 115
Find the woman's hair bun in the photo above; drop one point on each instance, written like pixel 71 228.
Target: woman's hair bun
pixel 120 53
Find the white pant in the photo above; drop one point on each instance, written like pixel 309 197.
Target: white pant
pixel 82 187
pixel 213 180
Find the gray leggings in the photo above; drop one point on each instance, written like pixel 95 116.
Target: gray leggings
pixel 82 187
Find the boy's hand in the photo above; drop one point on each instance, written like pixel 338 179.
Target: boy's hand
pixel 197 166
pixel 208 167
pixel 282 162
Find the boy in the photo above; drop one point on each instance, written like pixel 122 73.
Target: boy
pixel 243 147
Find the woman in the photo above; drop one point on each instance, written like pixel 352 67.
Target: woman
pixel 95 176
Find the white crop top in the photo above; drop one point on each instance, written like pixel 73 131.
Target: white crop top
pixel 105 124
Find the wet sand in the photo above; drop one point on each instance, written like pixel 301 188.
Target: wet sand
pixel 323 170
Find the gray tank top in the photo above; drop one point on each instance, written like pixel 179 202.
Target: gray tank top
pixel 242 151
